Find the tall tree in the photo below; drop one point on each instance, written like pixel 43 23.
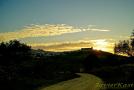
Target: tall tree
pixel 125 46
pixel 132 40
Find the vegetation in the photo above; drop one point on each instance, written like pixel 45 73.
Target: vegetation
pixel 23 68
pixel 125 46
pixel 20 69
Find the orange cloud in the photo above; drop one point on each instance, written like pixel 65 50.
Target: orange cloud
pixel 64 46
pixel 43 30
pixel 99 44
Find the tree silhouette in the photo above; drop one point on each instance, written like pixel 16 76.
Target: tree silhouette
pixel 15 58
pixel 125 46
pixel 132 40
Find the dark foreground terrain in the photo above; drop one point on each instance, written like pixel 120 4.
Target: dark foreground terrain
pixel 22 68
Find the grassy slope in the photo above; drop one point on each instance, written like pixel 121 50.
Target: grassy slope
pixel 85 82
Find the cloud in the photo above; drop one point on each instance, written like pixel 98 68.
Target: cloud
pixel 43 30
pixel 101 30
pixel 63 46
pixel 39 30
pixel 98 44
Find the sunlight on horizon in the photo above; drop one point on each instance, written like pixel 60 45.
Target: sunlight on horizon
pixel 103 45
pixel 99 44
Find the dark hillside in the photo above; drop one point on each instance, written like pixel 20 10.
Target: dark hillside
pixel 20 66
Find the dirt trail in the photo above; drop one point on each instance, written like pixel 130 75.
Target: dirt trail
pixel 85 82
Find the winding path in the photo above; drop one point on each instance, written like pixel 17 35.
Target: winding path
pixel 85 82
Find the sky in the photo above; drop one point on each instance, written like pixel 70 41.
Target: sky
pixel 62 25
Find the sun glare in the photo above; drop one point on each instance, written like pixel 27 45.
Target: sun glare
pixel 101 45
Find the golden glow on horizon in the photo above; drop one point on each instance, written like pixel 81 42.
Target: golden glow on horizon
pixel 49 30
pixel 62 46
pixel 99 44
pixel 103 44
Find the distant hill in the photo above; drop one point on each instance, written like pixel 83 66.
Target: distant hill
pixel 111 68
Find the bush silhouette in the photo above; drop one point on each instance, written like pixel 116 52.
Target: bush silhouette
pixel 15 59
